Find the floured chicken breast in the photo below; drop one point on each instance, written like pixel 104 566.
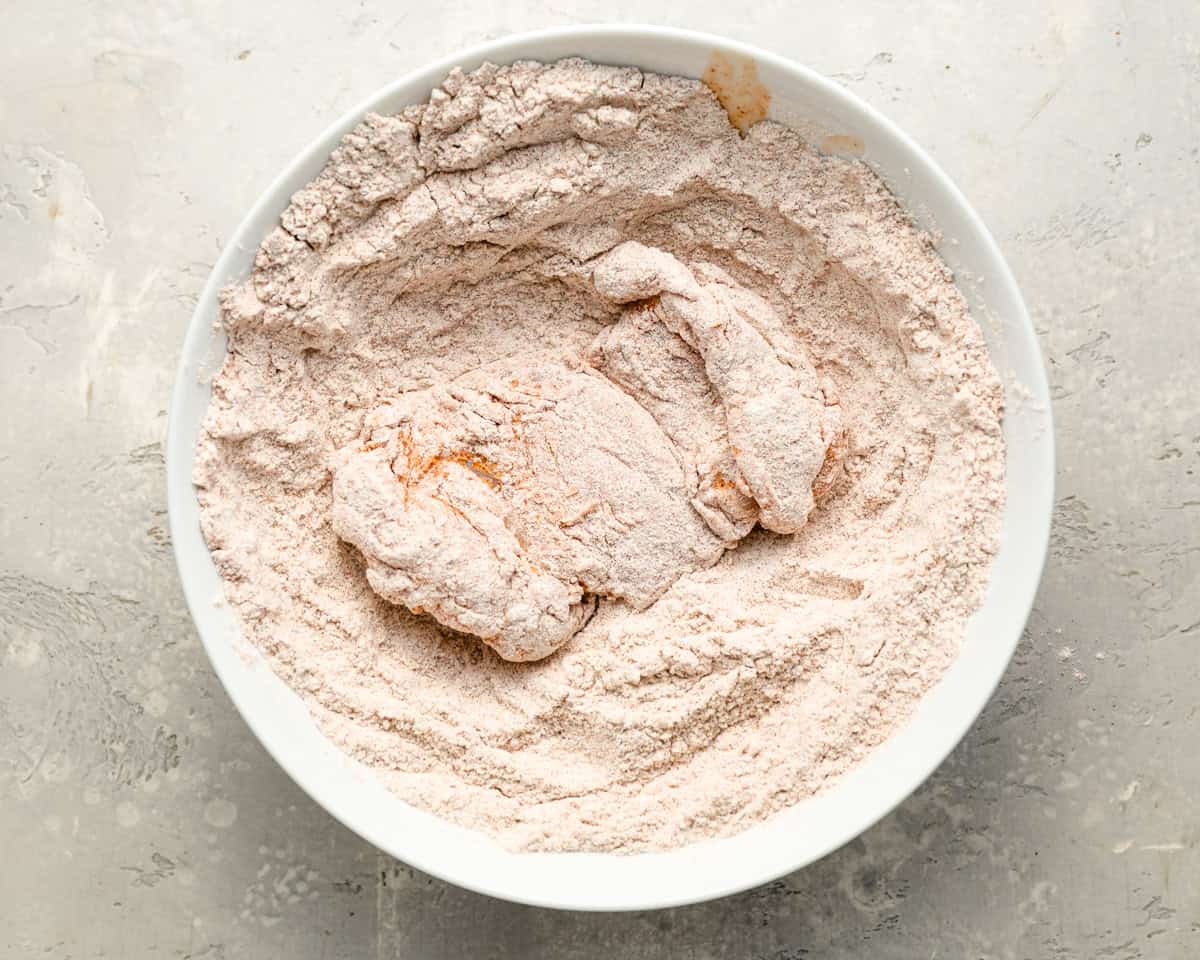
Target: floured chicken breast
pixel 506 503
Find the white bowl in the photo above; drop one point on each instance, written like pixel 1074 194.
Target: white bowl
pixel 803 833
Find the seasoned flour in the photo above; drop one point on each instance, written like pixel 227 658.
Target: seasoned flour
pixel 564 363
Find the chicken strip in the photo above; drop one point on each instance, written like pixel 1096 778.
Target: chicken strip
pixel 666 377
pixel 779 425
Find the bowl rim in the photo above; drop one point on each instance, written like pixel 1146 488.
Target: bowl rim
pixel 179 452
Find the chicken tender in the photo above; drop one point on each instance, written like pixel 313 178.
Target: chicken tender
pixel 779 425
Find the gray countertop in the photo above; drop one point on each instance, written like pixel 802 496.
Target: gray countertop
pixel 138 815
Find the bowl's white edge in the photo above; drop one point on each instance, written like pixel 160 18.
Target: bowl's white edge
pixel 180 453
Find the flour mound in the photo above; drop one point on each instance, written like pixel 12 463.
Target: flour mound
pixel 558 365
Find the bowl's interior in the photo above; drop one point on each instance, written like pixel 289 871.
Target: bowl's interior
pixel 798 835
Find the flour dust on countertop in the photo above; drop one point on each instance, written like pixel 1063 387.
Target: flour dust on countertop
pixel 602 478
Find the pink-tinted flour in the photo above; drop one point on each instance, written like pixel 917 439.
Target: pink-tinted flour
pixel 461 235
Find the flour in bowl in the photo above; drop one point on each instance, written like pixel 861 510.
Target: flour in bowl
pixel 603 478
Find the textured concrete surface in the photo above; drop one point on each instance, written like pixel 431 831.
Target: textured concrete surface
pixel 138 816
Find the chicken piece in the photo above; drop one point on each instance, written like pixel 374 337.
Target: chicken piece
pixel 666 377
pixel 780 428
pixel 505 503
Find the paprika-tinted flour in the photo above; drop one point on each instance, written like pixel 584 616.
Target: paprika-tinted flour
pixel 603 478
